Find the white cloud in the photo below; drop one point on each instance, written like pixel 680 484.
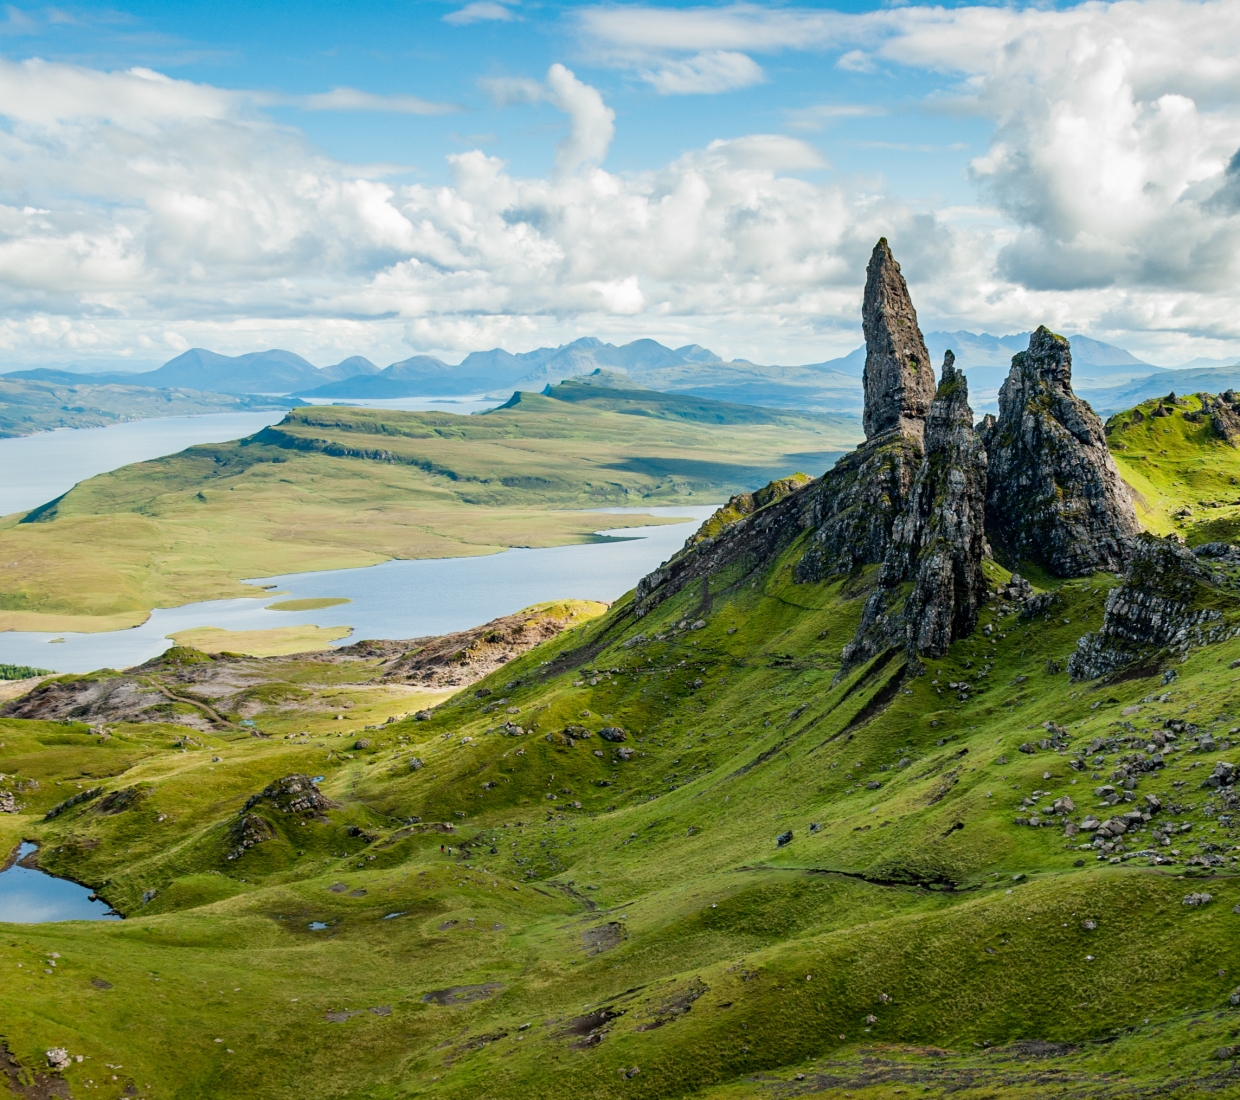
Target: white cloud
pixel 135 207
pixel 706 73
pixel 479 11
pixel 350 99
pixel 819 116
pixel 592 124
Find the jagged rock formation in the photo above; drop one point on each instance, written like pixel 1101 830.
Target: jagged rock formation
pixel 1164 603
pixel 898 378
pixel 1055 495
pixel 916 514
pixel 855 507
pixel 937 541
pixel 1224 413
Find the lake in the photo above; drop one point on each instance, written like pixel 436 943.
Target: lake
pixel 397 599
pixel 38 468
pixel 31 896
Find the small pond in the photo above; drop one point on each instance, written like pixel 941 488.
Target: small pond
pixel 31 896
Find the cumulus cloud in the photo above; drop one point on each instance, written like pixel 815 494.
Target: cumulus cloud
pixel 592 124
pixel 139 208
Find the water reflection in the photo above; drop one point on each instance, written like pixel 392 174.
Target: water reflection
pixel 31 896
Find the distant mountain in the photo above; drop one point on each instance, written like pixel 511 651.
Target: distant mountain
pixel 1180 381
pixel 1202 363
pixel 981 349
pixel 352 367
pixel 273 371
pixel 498 371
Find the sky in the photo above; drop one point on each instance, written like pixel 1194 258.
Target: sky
pixel 392 178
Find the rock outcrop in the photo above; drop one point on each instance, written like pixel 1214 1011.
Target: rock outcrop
pixel 937 541
pixel 1055 496
pixel 898 378
pixel 1224 413
pixel 1168 601
pixel 291 794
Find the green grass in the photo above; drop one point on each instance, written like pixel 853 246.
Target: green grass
pixel 1184 477
pixel 21 672
pixel 340 487
pixel 560 883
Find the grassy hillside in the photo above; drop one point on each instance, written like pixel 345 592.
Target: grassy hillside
pixel 1185 478
pixel 28 406
pixel 339 487
pixel 776 884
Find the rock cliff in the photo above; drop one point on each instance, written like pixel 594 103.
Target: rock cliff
pixel 1168 601
pixel 1054 496
pixel 937 540
pixel 898 378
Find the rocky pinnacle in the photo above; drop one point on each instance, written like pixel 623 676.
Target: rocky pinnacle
pixel 899 382
pixel 937 542
pixel 1055 496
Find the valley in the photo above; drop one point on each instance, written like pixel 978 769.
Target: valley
pixel 914 776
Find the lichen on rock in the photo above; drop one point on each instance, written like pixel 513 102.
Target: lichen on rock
pixel 1163 604
pixel 937 541
pixel 898 377
pixel 1054 496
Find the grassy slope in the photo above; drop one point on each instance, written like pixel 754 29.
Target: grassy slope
pixel 28 406
pixel 336 487
pixel 724 964
pixel 1178 465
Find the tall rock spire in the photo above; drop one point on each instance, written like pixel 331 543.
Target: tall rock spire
pixel 899 381
pixel 937 542
pixel 1055 496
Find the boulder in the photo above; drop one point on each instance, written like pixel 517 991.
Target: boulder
pixel 1054 494
pixel 58 1058
pixel 612 733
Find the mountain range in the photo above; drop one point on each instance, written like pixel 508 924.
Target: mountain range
pixel 1109 376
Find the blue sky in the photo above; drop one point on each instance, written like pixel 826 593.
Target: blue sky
pixel 389 178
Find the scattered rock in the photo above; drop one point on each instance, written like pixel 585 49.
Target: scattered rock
pixel 292 794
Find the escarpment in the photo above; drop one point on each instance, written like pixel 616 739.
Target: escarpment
pixel 1054 494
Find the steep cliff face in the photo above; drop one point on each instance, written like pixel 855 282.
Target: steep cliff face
pixel 937 541
pixel 1054 494
pixel 898 378
pixel 854 510
pixel 1168 600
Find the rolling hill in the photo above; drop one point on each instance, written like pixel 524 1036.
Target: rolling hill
pixel 336 487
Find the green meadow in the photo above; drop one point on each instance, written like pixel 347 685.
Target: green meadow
pixel 332 488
